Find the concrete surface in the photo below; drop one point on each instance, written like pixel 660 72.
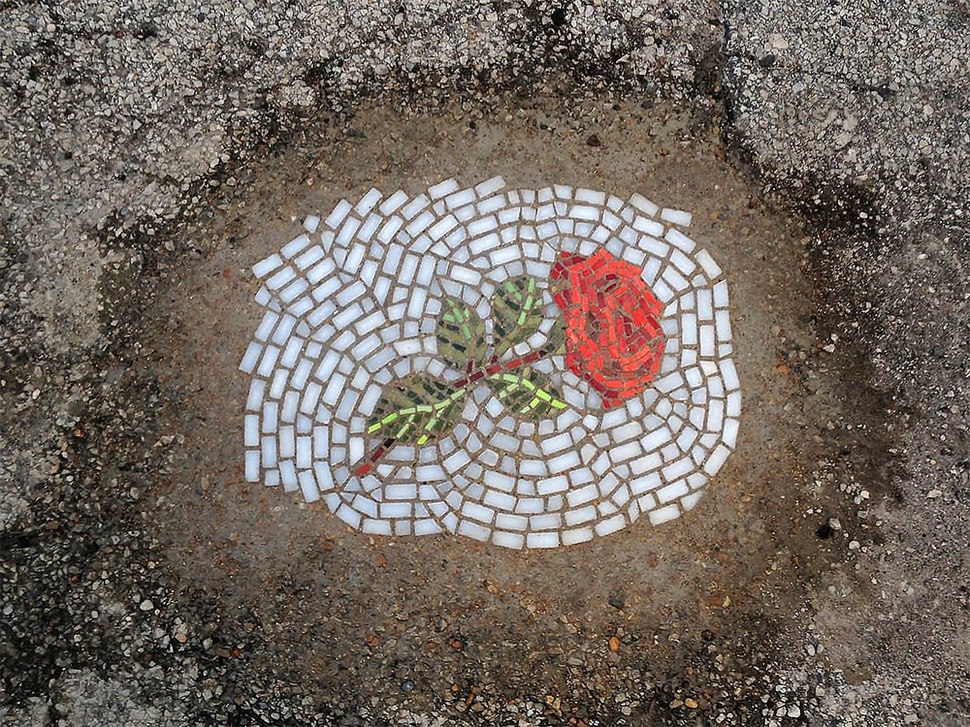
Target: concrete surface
pixel 129 127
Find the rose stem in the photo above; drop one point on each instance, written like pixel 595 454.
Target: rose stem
pixel 384 447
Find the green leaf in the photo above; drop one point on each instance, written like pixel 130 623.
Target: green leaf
pixel 527 393
pixel 556 338
pixel 461 333
pixel 417 410
pixel 516 312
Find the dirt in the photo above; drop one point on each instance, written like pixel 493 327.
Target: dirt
pixel 428 621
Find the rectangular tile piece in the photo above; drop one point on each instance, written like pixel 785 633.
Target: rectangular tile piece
pixel 442 189
pixel 579 535
pixel 676 217
pixel 644 205
pixel 393 202
pixel 248 363
pixel 338 215
pixel 295 246
pixel 367 202
pixel 252 465
pixel 590 196
pixel 490 186
pixel 265 267
pixel 508 540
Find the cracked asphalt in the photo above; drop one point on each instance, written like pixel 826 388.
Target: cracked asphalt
pixel 144 144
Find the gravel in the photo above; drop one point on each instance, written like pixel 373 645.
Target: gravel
pixel 117 118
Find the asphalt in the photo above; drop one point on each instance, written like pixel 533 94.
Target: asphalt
pixel 129 127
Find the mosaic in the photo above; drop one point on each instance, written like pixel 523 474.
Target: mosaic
pixel 531 368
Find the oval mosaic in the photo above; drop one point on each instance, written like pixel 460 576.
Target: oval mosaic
pixel 528 367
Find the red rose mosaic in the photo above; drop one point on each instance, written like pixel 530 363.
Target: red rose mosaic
pixel 613 334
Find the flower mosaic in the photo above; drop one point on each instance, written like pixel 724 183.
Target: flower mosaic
pixel 531 368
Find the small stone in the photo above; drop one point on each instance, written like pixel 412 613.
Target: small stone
pixel 146 605
pixel 933 494
pixel 777 41
pixel 690 703
pixel 794 711
pixel 593 140
pixel 614 644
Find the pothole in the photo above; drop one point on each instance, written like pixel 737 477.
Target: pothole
pixel 427 621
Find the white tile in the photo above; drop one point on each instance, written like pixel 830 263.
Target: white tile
pixel 266 266
pixel 414 206
pixel 474 530
pixel 706 262
pixel 723 325
pixel 338 215
pixel 367 230
pixel 610 525
pixel 664 514
pixel 478 512
pixel 393 203
pixel 442 189
pixel 508 540
pixel 367 202
pixel 721 295
pixel 578 535
pixel 256 390
pixel 644 205
pixel 264 298
pixel 248 363
pixel 460 199
pixel 252 465
pixel 490 186
pixel 281 279
pixel 309 258
pixel 295 246
pixel 390 229
pixel 676 217
pixel 309 486
pixel 730 374
pixel 542 540
pixel 651 227
pixel 680 240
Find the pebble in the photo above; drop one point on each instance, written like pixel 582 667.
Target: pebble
pixel 146 605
